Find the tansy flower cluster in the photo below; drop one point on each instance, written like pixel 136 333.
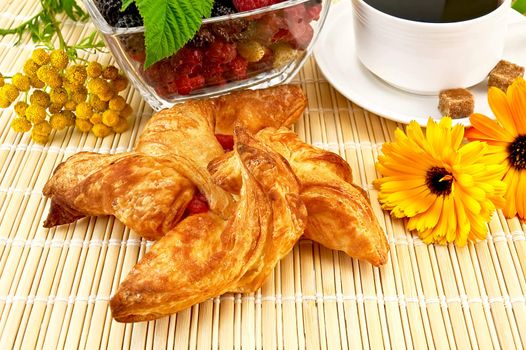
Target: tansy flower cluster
pixel 53 93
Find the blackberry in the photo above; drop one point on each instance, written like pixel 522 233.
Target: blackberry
pixel 129 20
pixel 222 10
pixel 230 31
pixel 202 38
pixel 109 9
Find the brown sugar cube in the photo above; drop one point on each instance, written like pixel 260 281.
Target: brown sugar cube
pixel 504 74
pixel 456 103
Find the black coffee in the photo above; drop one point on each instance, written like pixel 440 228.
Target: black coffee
pixel 435 11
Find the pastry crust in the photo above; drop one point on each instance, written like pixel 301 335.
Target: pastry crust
pixel 183 136
pixel 205 256
pixel 340 215
pixel 147 194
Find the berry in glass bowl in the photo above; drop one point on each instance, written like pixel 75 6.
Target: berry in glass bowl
pixel 245 43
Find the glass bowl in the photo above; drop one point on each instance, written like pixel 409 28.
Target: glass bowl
pixel 256 49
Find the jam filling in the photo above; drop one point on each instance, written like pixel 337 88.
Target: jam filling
pixel 226 141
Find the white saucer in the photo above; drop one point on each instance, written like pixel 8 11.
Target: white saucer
pixel 335 55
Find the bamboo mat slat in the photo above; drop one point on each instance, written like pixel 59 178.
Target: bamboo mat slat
pixel 55 285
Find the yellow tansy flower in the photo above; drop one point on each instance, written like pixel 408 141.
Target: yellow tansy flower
pixel 448 191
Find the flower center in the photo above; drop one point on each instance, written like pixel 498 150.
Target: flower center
pixel 517 152
pixel 439 181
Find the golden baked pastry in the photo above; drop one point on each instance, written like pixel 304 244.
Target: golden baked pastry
pixel 340 215
pixel 259 197
pixel 205 256
pixel 184 138
pixel 146 193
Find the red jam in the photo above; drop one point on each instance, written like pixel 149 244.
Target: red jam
pixel 226 141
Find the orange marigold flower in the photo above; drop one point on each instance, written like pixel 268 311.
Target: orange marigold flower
pixel 506 137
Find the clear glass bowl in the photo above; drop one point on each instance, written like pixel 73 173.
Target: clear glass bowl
pixel 258 48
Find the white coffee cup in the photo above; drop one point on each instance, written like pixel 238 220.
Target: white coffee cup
pixel 425 58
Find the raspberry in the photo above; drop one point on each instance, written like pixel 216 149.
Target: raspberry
pixel 262 65
pixel 251 50
pixel 296 14
pixel 247 5
pixel 213 74
pixel 238 68
pixel 283 54
pixel 314 12
pixel 268 27
pixel 221 52
pixel 302 34
pixel 187 56
pixel 186 85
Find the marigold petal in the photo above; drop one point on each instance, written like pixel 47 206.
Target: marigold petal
pixel 474 134
pixel 499 105
pixel 511 179
pixel 490 128
pixel 521 196
pixel 516 96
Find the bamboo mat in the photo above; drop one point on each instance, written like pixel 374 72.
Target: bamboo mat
pixel 55 284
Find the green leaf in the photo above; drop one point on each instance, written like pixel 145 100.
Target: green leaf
pixel 169 24
pixel 520 5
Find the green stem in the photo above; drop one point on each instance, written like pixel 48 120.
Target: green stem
pixel 54 23
pixel 20 27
